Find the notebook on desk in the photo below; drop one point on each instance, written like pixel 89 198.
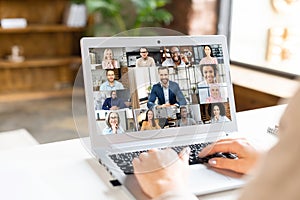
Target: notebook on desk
pixel 192 104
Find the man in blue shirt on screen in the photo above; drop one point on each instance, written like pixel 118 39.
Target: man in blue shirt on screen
pixel 111 83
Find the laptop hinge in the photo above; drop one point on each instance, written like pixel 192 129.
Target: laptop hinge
pixel 168 142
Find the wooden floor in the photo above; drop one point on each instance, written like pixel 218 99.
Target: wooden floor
pixel 29 96
pixel 48 117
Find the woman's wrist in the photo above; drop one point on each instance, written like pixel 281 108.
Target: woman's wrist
pixel 165 187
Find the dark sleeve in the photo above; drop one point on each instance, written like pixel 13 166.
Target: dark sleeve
pixel 152 97
pixel 106 104
pixel 179 95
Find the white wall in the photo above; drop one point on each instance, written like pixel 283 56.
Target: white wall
pixel 250 23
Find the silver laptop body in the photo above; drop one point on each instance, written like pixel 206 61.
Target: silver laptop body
pixel 137 84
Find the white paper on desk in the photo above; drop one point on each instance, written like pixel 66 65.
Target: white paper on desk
pixel 18 184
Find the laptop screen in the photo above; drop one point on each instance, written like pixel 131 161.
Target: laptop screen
pixel 153 87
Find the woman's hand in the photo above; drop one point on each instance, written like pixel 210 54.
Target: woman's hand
pixel 161 171
pixel 247 155
pixel 217 117
pixel 114 127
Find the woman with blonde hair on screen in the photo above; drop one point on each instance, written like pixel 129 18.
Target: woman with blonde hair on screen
pixel 108 61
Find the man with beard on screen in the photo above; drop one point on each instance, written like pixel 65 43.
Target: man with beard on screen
pixel 176 60
pixel 167 92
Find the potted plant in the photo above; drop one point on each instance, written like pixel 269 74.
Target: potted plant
pixel 149 88
pixel 78 1
pixel 76 14
pixel 115 16
pixel 194 89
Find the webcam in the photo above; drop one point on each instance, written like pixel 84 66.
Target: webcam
pixel 158 41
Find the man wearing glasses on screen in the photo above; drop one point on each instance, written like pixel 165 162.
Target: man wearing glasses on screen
pixel 177 59
pixel 145 60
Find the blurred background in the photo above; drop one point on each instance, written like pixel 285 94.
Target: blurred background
pixel 40 52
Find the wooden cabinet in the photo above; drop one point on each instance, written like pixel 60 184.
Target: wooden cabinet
pixel 248 99
pixel 51 49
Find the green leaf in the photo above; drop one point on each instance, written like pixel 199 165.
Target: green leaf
pixel 78 1
pixel 102 5
pixel 128 14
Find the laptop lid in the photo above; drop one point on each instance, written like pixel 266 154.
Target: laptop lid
pixel 115 67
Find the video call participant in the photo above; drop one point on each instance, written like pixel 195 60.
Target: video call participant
pixel 185 120
pixel 217 114
pixel 209 74
pixel 113 102
pixel 276 176
pixel 166 92
pixel 176 60
pixel 108 61
pixel 145 60
pixel 150 123
pixel 112 124
pixel 111 83
pixel 208 59
pixel 215 94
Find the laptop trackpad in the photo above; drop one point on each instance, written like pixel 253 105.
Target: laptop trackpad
pixel 204 180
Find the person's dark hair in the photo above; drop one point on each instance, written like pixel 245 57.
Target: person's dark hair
pixel 109 70
pixel 144 48
pixel 162 68
pixel 153 121
pixel 211 54
pixel 214 66
pixel 211 107
pixel 112 92
pixel 182 107
pixel 108 117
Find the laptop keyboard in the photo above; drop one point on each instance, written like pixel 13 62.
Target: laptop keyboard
pixel 124 160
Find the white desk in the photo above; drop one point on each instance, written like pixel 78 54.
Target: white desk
pixel 65 170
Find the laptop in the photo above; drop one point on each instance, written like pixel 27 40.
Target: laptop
pixel 192 80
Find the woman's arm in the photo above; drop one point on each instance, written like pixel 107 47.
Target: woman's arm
pixel 143 126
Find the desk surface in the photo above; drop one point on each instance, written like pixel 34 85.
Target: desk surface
pixel 65 170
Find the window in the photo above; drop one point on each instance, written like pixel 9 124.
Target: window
pixel 263 36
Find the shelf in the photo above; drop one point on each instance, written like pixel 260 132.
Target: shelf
pixel 27 96
pixel 42 62
pixel 50 47
pixel 42 28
